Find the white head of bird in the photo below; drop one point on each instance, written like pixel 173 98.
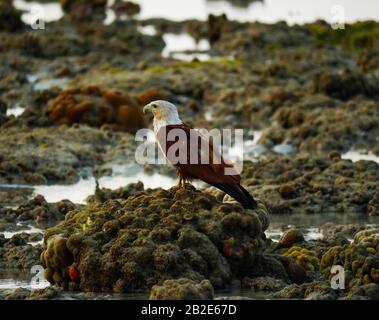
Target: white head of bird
pixel 164 112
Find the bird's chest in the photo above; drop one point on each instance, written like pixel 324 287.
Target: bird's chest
pixel 174 144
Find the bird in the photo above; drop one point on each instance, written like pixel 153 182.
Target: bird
pixel 189 144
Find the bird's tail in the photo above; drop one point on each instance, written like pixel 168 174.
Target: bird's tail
pixel 237 192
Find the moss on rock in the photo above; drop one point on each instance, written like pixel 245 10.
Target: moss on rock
pixel 182 289
pixel 306 258
pixel 360 259
pixel 132 244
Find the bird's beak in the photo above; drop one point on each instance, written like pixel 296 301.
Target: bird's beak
pixel 146 108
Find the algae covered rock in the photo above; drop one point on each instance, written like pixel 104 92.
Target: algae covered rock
pixel 17 253
pixel 290 237
pixel 268 284
pixel 132 244
pixel 10 18
pixel 316 290
pixel 84 10
pixel 182 289
pixel 341 87
pixel 368 291
pixel 49 155
pixel 360 259
pixel 39 210
pixel 306 258
pixel 57 259
pixel 128 8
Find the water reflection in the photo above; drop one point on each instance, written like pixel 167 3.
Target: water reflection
pixel 41 81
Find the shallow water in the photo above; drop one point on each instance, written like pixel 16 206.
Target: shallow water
pixel 177 43
pixel 292 11
pixel 79 191
pixel 15 111
pixel 46 84
pixel 180 46
pixel 46 11
pixel 312 233
pixel 25 229
pixel 269 11
pixel 251 149
pixel 311 225
pixel 148 30
pixel 13 279
pixel 41 81
pixel 356 155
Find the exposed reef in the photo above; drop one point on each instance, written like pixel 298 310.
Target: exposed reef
pixel 151 237
pixel 318 184
pixel 70 102
pixel 360 259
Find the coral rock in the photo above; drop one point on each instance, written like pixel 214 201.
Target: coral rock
pixel 304 257
pixel 151 94
pixel 360 259
pixel 182 289
pixel 134 243
pixel 290 237
pixel 97 107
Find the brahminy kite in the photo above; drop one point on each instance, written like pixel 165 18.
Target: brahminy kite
pixel 193 155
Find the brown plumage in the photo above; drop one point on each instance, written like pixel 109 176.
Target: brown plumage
pixel 197 158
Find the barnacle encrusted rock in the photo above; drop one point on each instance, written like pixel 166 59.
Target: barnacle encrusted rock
pixel 360 259
pixel 132 244
pixel 306 258
pixel 17 253
pixel 290 237
pixel 182 289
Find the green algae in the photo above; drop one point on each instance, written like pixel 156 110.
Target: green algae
pixel 358 35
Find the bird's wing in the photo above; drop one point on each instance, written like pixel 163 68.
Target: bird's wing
pixel 210 166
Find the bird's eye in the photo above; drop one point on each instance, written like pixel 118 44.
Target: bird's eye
pixel 154 106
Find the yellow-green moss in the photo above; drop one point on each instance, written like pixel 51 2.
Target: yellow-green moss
pixel 194 64
pixel 360 259
pixel 356 35
pixel 157 69
pixel 306 258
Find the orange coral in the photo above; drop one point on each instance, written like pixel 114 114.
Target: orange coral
pixel 96 107
pixel 151 94
pixel 117 98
